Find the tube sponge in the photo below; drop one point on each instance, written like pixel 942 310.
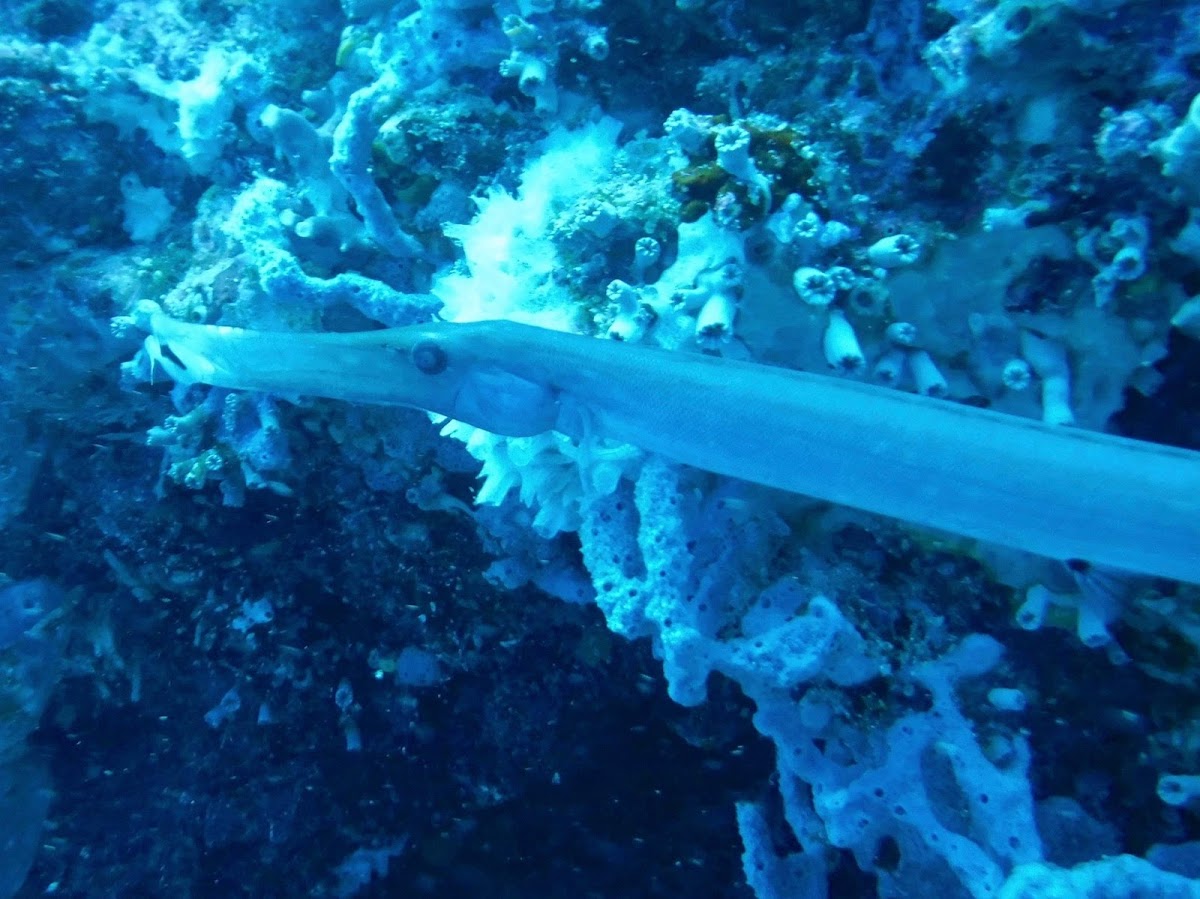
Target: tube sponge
pixel 1118 877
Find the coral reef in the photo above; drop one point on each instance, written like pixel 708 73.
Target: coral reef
pixel 271 645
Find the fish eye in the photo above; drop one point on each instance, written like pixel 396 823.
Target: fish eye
pixel 429 358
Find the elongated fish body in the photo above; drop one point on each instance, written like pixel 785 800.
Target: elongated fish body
pixel 1057 492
